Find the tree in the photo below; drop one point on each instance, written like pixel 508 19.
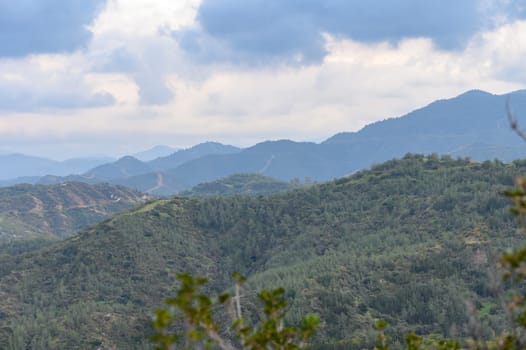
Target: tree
pixel 187 321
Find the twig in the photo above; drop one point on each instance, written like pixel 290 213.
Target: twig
pixel 223 344
pixel 237 299
pixel 513 122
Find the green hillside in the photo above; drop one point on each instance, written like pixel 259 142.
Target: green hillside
pixel 239 184
pixel 30 212
pixel 409 241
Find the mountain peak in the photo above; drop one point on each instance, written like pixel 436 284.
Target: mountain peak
pixel 124 167
pixel 155 152
pixel 474 93
pixel 181 156
pixel 212 146
pixel 128 160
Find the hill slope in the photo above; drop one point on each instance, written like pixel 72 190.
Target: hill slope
pixel 408 241
pixel 239 184
pixel 50 212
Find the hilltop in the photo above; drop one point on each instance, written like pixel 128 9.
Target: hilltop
pixel 239 184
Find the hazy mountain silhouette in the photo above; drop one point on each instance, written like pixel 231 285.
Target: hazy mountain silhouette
pixel 473 124
pixel 20 165
pixel 155 152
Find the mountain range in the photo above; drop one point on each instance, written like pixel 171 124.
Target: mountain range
pixel 155 152
pixel 14 165
pixel 145 176
pixel 473 125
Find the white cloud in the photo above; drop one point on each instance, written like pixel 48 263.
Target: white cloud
pixel 355 84
pixel 132 37
pixel 48 81
pixel 119 85
pixel 144 17
pixel 501 52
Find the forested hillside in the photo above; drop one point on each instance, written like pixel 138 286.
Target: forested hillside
pixel 239 184
pixel 29 212
pixel 410 241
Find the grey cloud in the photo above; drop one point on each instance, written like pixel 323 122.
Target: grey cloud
pixel 50 26
pixel 72 101
pixel 146 68
pixel 262 31
pixel 153 89
pixel 119 60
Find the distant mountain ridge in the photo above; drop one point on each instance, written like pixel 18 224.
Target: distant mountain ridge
pixel 203 149
pixel 124 167
pixel 14 165
pixel 473 124
pixel 129 171
pixel 21 168
pixel 155 152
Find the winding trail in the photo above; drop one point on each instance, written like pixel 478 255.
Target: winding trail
pixel 267 164
pixel 160 183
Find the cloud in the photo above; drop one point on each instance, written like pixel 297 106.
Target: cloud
pixel 356 84
pixel 502 51
pixel 135 85
pixel 22 101
pixel 124 59
pixel 36 26
pixel 147 60
pixel 145 70
pixel 128 39
pixel 49 82
pixel 265 31
pixel 119 60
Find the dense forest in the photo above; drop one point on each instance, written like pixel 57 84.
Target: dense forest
pixel 241 184
pixel 412 241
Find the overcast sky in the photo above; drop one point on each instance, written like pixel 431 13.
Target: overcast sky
pixel 86 77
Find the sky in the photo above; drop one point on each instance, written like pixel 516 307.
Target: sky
pixel 113 77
